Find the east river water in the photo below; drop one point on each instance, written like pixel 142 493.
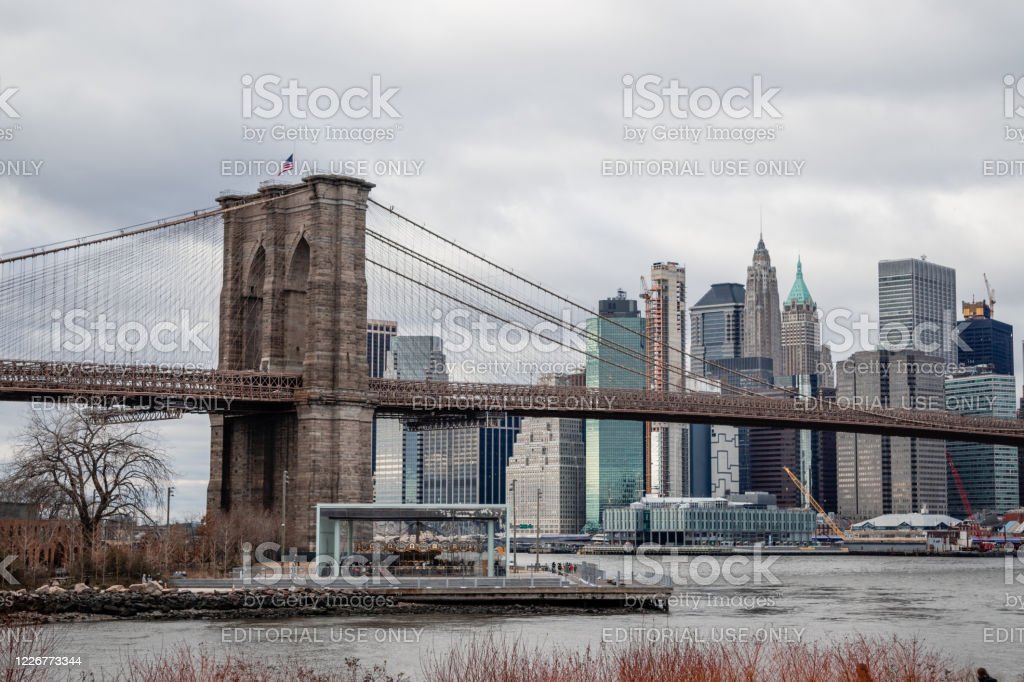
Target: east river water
pixel 970 609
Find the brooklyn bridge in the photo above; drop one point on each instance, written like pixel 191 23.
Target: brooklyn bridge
pixel 255 312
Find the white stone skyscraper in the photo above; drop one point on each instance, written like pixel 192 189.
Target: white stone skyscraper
pixel 548 457
pixel 762 318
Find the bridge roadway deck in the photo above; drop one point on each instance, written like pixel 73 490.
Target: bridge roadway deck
pixel 231 391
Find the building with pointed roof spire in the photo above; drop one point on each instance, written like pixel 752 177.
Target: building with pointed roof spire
pixel 801 330
pixel 762 322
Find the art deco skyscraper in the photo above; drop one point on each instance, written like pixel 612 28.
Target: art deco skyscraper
pixel 762 320
pixel 801 330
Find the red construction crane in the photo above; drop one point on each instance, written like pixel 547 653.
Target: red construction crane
pixel 959 486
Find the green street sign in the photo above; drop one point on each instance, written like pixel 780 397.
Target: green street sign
pixel 526 525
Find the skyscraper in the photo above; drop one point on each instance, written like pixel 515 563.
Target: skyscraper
pixel 668 471
pixel 716 339
pixel 467 464
pixel 824 488
pixel 984 340
pixel 548 457
pixel 806 366
pixel 989 473
pixel 917 307
pixel 398 454
pixel 762 321
pixel 801 330
pixel 884 474
pixel 771 450
pixel 419 358
pixel 379 334
pixel 727 471
pixel 716 326
pixel 615 449
pixel 378 342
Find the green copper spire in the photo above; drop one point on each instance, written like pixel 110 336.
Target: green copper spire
pixel 799 293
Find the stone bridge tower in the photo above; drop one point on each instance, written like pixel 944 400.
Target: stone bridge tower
pixel 294 301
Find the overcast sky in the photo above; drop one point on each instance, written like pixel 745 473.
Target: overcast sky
pixel 508 119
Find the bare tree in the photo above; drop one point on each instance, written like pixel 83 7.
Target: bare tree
pixel 87 470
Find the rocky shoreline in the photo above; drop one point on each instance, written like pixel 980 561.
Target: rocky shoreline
pixel 150 601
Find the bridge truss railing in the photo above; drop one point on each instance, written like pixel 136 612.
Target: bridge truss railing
pixel 441 397
pixel 111 381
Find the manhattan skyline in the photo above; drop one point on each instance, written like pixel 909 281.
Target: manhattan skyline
pixel 504 175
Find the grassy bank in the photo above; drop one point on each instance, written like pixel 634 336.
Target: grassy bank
pixel 496 659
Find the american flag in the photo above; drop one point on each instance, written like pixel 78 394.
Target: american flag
pixel 288 165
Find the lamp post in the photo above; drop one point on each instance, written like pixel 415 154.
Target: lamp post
pixel 170 494
pixel 284 512
pixel 515 526
pixel 537 546
pixel 167 535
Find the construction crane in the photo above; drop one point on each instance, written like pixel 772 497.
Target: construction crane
pixel 972 526
pixel 959 486
pixel 991 296
pixel 814 503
